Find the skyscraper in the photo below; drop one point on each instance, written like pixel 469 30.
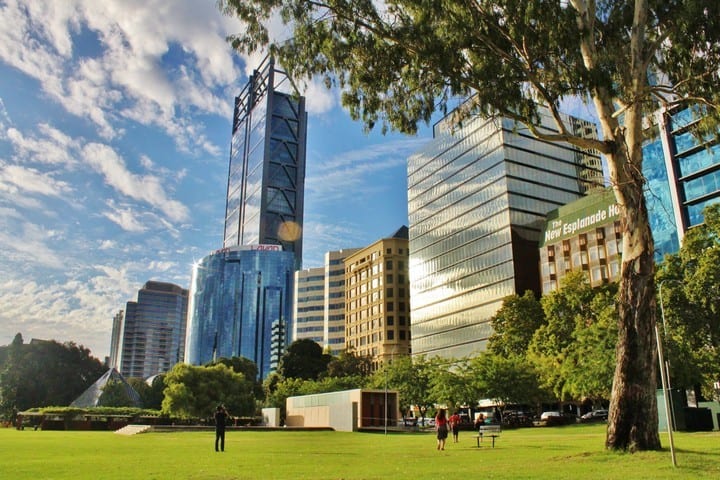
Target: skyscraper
pixel 153 338
pixel 266 176
pixel 319 307
pixel 377 299
pixel 241 305
pixel 116 340
pixel 478 195
pixel 241 295
pixel 682 171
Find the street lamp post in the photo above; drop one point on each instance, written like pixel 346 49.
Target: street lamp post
pixel 664 374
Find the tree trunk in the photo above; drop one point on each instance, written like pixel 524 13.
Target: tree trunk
pixel 633 419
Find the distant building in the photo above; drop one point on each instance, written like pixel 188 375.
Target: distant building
pixel 153 338
pixel 241 305
pixel 116 340
pixel 266 177
pixel 478 195
pixel 583 235
pixel 682 174
pixel 377 299
pixel 320 302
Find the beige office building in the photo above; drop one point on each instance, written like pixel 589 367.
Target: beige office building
pixel 377 299
pixel 320 302
pixel 582 236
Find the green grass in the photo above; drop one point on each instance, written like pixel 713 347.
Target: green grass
pixel 538 453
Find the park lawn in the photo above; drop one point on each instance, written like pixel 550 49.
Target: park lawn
pixel 538 453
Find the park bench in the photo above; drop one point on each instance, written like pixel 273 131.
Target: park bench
pixel 491 431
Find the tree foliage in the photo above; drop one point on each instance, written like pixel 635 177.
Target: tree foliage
pixel 348 364
pixel 410 376
pixel 45 373
pixel 515 324
pixel 304 359
pixel 581 321
pixel 507 379
pixel 398 61
pixel 690 289
pixel 195 392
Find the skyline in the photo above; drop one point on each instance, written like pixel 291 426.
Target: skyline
pixel 115 125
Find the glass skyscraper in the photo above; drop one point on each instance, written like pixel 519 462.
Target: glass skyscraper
pixel 241 305
pixel 478 195
pixel 682 173
pixel 266 176
pixel 153 330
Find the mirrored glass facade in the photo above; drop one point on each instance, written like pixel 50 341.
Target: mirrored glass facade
pixel 477 204
pixel 683 177
pixel 153 330
pixel 266 175
pixel 241 305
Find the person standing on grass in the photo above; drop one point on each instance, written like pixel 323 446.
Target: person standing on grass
pixel 220 420
pixel 441 427
pixel 454 421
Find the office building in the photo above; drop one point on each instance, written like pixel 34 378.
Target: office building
pixel 682 172
pixel 153 338
pixel 377 300
pixel 583 235
pixel 478 195
pixel 116 340
pixel 241 305
pixel 320 302
pixel 266 177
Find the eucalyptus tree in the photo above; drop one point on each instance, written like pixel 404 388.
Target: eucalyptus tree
pixel 398 61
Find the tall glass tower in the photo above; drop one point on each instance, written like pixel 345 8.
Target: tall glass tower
pixel 153 331
pixel 682 171
pixel 241 305
pixel 478 195
pixel 266 176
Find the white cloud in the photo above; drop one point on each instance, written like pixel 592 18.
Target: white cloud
pixel 124 75
pixel 28 244
pixel 53 147
pixel 148 188
pixel 21 181
pixel 125 218
pixel 68 310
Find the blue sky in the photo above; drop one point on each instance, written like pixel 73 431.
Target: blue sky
pixel 114 140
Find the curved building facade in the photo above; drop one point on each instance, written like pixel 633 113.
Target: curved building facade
pixel 241 305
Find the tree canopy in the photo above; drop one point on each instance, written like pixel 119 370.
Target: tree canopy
pixel 398 61
pixel 45 373
pixel 304 359
pixel 195 392
pixel 689 285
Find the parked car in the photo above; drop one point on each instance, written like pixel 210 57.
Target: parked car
pixel 555 418
pixel 546 415
pixel 595 416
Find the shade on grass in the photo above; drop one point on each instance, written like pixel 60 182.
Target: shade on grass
pixel 538 453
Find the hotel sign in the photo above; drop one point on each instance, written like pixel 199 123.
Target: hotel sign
pixel 579 217
pixel 257 247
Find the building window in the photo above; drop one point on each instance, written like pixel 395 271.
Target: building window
pixel 390 335
pixel 389 278
pixel 389 292
pixel 388 251
pixel 402 321
pixel 388 265
pixel 390 307
pixel 401 333
pixel 390 321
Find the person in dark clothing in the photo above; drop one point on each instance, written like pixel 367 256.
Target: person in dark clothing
pixel 220 420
